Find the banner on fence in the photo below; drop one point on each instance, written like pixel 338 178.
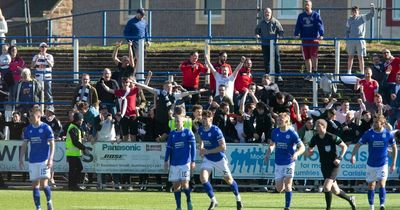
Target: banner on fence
pixel 245 160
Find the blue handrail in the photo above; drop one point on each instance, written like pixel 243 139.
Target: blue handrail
pixel 104 13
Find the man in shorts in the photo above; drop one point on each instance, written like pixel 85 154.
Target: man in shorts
pixel 326 143
pixel 355 28
pixel 310 28
pixel 41 139
pixel 378 139
pixel 284 139
pixel 181 153
pixel 212 147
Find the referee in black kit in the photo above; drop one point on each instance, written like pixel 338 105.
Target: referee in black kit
pixel 326 143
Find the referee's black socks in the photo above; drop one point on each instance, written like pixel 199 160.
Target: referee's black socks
pixel 343 195
pixel 328 199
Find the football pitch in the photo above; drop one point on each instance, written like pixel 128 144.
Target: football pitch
pixel 111 200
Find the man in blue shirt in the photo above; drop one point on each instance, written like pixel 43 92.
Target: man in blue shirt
pixel 41 139
pixel 284 139
pixel 135 29
pixel 212 149
pixel 310 28
pixel 181 153
pixel 378 139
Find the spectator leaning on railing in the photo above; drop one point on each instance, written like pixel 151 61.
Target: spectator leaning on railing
pixel 270 28
pixel 135 29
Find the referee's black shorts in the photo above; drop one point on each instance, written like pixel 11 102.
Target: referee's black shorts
pixel 329 171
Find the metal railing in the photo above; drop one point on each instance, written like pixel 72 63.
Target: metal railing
pixel 150 13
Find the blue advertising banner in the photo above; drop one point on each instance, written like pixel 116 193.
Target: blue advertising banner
pixel 246 161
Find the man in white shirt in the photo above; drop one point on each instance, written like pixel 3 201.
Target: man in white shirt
pixel 43 64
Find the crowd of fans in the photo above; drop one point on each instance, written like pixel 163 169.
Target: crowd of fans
pixel 115 108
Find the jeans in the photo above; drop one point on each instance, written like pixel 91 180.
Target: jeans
pixel 266 56
pixel 48 95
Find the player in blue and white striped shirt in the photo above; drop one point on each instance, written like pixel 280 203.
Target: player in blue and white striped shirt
pixel 378 139
pixel 180 157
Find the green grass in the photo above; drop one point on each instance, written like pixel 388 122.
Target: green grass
pixel 22 199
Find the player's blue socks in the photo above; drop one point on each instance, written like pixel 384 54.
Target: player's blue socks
pixel 36 197
pixel 209 190
pixel 288 199
pixel 47 191
pixel 187 193
pixel 371 197
pixel 234 188
pixel 178 199
pixel 382 195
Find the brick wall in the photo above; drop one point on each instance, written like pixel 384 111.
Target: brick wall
pixel 61 27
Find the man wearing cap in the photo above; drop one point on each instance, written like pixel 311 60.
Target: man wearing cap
pixel 51 120
pixel 43 64
pixel 74 148
pixel 136 29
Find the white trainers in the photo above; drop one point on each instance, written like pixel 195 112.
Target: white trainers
pixel 371 207
pixel 212 205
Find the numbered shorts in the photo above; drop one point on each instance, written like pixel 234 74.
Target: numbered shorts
pixel 179 173
pixel 39 171
pixel 221 165
pixel 283 171
pixel 376 173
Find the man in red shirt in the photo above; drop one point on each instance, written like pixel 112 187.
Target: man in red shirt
pixel 392 65
pixel 368 86
pixel 242 82
pixel 191 70
pixel 127 103
pixel 222 61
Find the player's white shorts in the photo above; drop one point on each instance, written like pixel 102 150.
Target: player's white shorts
pixel 282 171
pixel 376 173
pixel 221 165
pixel 179 173
pixel 39 171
